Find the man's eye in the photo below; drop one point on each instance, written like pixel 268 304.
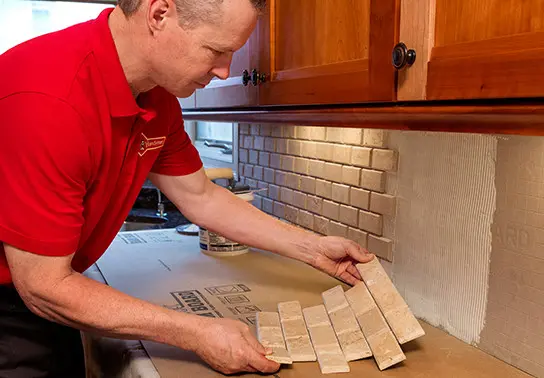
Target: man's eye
pixel 216 52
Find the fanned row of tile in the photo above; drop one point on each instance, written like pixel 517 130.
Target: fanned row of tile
pixel 369 319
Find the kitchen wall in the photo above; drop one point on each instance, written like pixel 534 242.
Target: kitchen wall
pixel 457 219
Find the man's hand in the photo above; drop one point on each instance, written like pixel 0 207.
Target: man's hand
pixel 229 346
pixel 338 256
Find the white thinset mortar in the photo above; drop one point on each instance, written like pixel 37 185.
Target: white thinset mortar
pixel 446 199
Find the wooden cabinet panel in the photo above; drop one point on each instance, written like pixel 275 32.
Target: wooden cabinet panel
pixel 231 92
pixel 322 51
pixel 470 49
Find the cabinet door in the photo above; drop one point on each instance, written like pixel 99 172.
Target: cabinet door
pixel 232 92
pixel 468 49
pixel 323 51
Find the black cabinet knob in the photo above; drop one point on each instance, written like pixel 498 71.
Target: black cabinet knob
pixel 257 78
pixel 245 78
pixel 402 56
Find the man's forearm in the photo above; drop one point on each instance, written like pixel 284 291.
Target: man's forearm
pixel 88 305
pixel 238 220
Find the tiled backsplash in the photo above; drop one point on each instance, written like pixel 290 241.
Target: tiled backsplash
pixel 328 180
pixel 460 216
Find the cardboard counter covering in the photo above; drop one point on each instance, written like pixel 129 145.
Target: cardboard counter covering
pixel 168 269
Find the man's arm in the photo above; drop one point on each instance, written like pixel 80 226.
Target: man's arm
pixel 214 207
pixel 217 209
pixel 52 290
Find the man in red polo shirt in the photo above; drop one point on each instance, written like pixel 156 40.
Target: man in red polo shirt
pixel 87 114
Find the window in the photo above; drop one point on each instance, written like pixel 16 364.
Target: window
pixel 216 142
pixel 21 20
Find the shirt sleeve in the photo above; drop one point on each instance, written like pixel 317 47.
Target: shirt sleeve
pixel 45 164
pixel 178 157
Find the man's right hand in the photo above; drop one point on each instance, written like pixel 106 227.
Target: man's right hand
pixel 229 347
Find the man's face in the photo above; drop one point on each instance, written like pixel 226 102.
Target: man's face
pixel 183 60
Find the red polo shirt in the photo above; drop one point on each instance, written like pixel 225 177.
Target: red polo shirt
pixel 76 146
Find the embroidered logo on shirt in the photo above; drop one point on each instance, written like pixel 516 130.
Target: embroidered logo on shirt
pixel 148 144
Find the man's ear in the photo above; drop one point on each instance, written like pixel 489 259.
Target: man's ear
pixel 158 12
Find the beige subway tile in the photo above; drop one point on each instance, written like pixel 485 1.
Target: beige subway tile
pixel 241 169
pixel 248 170
pixel 321 225
pixel 258 143
pixel 308 149
pixel 258 173
pixel 269 144
pixel 370 222
pixel 318 133
pixel 286 195
pixel 269 175
pixel 263 185
pixel 359 198
pixel 352 135
pixel 251 182
pixel 289 131
pixel 338 229
pixel 281 146
pixel 248 142
pixel 373 180
pixel 335 134
pixel 268 205
pixel 385 160
pixel 324 151
pixel 299 199
pixel 333 172
pixel 281 178
pixel 244 128
pixel 288 163
pixel 348 215
pixel 316 168
pixel 293 147
pixel 340 193
pixel 258 201
pixel 306 219
pixel 382 203
pixel 358 236
pixel 243 155
pixel 375 138
pixel 307 184
pixel 323 188
pixel 314 204
pixel 277 131
pixel 351 175
pixel 274 192
pixel 291 214
pixel 264 159
pixel 360 156
pixel 381 247
pixel 399 317
pixel 341 153
pixel 302 132
pixel 253 157
pixel 331 210
pixel 279 209
pixel 254 129
pixel 266 130
pixel 275 161
pixel 301 165
pixel 292 181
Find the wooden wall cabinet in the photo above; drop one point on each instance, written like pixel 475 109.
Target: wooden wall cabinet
pixel 340 52
pixel 472 49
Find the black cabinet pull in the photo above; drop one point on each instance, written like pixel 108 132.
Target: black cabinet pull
pixel 402 56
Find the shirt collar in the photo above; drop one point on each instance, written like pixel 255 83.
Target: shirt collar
pixel 121 101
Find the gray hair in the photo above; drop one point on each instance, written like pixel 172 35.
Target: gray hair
pixel 192 12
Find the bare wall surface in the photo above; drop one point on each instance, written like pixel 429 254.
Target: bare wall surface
pixel 514 327
pixel 442 233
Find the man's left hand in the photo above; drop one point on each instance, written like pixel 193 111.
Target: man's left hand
pixel 338 256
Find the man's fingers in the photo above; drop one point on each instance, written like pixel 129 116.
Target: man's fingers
pixel 354 272
pixel 255 344
pixel 349 279
pixel 359 253
pixel 261 363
